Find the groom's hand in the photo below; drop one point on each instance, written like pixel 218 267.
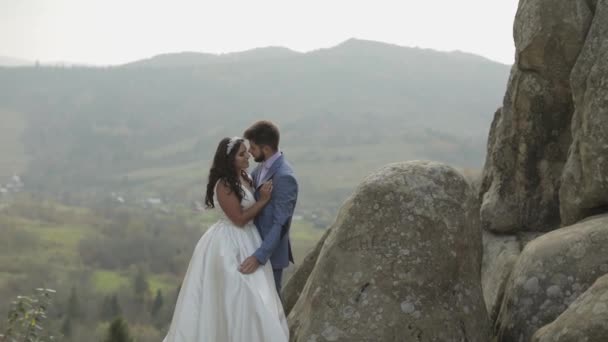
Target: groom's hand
pixel 249 265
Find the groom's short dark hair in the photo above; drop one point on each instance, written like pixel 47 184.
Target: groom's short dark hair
pixel 263 133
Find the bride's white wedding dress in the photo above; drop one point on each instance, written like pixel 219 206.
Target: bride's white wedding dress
pixel 216 302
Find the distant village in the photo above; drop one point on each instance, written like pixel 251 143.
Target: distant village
pixel 14 185
pixel 149 202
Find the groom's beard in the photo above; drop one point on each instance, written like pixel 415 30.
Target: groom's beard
pixel 260 159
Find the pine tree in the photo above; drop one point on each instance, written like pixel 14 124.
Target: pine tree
pixel 104 311
pixel 66 328
pixel 157 304
pixel 140 284
pixel 115 306
pixel 110 308
pixel 74 311
pixel 118 331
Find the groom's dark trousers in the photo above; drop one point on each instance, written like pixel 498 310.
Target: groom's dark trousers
pixel 278 275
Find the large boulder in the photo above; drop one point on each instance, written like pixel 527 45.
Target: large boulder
pixel 550 273
pixel 584 189
pixel 401 263
pixel 585 320
pixel 292 290
pixel 500 252
pixel 499 255
pixel 531 134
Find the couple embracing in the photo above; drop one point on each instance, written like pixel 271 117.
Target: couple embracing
pixel 230 292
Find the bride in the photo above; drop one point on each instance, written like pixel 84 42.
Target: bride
pixel 218 303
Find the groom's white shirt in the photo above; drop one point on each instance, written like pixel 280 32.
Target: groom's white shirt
pixel 267 165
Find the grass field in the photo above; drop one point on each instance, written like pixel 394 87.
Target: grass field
pixel 55 247
pixel 109 281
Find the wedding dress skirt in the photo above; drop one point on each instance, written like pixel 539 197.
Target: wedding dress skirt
pixel 216 302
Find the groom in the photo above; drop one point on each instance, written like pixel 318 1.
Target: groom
pixel 274 220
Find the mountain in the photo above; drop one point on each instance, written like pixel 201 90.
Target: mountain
pixel 18 62
pixel 191 59
pixel 149 128
pixel 176 60
pixel 12 62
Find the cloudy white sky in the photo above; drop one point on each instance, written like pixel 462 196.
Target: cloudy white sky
pixel 107 32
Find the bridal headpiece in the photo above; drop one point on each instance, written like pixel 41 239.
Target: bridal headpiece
pixel 231 144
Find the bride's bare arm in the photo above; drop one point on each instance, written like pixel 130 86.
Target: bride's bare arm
pixel 232 207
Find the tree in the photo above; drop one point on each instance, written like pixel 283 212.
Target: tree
pixel 157 304
pixel 74 311
pixel 110 308
pixel 115 306
pixel 140 283
pixel 66 327
pixel 141 289
pixel 118 331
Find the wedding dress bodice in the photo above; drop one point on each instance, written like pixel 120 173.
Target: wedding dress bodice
pixel 247 201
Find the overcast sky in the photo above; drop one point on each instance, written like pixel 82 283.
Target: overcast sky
pixel 107 32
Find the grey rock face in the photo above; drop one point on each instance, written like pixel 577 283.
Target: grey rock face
pixel 531 134
pixel 292 290
pixel 585 320
pixel 550 273
pixel 499 256
pixel 401 263
pixel 584 189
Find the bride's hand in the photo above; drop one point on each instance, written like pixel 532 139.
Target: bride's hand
pixel 266 191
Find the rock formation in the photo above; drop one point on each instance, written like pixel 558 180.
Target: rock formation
pixel 401 263
pixel 531 133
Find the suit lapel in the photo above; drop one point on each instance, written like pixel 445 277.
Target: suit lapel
pixel 255 175
pixel 273 169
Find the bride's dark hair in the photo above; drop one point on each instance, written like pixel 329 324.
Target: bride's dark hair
pixel 223 169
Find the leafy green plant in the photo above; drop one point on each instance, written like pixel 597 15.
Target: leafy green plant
pixel 27 318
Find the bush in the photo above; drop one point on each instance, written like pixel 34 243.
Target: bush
pixel 27 318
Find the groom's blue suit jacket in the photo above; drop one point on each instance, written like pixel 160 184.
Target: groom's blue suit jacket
pixel 274 221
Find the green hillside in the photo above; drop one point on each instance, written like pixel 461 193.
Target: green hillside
pixel 100 251
pixel 149 128
pixel 12 150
